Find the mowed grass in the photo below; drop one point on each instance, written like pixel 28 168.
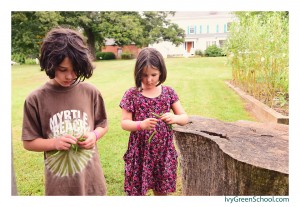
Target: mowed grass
pixel 199 82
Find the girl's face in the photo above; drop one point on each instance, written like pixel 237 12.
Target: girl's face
pixel 150 77
pixel 64 73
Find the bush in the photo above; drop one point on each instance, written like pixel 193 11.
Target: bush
pixel 105 56
pixel 199 52
pixel 30 61
pixel 127 55
pixel 258 51
pixel 19 58
pixel 213 51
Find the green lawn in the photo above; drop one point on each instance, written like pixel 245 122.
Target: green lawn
pixel 199 83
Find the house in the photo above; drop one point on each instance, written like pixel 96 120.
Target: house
pixel 202 30
pixel 110 46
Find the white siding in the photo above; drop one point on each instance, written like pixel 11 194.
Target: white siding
pixel 201 38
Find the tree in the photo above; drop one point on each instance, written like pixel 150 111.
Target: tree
pixel 140 28
pixel 28 30
pixel 156 28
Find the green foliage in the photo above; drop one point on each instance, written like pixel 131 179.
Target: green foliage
pixel 257 49
pixel 213 51
pixel 199 53
pixel 19 58
pixel 105 56
pixel 30 61
pixel 28 30
pixel 126 55
pixel 141 28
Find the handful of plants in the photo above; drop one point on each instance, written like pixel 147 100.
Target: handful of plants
pixel 154 132
pixel 75 146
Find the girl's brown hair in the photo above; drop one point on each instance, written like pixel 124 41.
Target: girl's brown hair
pixel 63 42
pixel 149 57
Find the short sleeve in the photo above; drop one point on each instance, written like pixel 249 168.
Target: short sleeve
pixel 127 101
pixel 100 112
pixel 31 123
pixel 172 95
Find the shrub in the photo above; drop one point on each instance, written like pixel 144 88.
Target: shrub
pixel 213 51
pixel 19 58
pixel 258 51
pixel 105 56
pixel 127 55
pixel 30 61
pixel 199 52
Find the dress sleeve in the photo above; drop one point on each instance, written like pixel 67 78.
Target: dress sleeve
pixel 173 95
pixel 127 101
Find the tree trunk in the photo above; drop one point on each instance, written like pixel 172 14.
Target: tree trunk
pixel 240 158
pixel 91 42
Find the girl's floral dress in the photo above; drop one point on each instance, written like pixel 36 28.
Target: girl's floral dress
pixel 150 165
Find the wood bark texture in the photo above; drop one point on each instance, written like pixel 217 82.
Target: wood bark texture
pixel 236 158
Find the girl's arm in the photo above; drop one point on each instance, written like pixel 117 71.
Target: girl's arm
pixel 129 125
pixel 179 117
pixel 41 145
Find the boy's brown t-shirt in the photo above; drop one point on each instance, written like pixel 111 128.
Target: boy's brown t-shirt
pixel 52 111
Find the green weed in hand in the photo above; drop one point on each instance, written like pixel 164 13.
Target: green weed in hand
pixel 150 138
pixel 154 132
pixel 75 146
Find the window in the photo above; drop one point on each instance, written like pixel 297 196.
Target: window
pixel 200 29
pixel 207 29
pixel 217 28
pixel 192 30
pixel 225 28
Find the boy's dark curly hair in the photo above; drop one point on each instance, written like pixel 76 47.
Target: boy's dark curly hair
pixel 64 42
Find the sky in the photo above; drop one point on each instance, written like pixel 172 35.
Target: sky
pixel 143 5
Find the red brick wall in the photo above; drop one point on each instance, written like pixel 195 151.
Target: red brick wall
pixel 127 48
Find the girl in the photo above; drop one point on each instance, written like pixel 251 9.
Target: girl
pixel 65 117
pixel 151 158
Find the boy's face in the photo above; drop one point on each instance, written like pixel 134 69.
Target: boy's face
pixel 150 77
pixel 64 74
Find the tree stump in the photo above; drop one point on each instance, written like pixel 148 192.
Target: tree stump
pixel 236 158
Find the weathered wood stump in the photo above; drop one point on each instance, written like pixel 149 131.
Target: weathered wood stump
pixel 240 158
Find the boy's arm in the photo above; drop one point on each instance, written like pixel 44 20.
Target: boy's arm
pixel 101 131
pixel 41 145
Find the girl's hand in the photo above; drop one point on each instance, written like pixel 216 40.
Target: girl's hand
pixel 64 142
pixel 89 142
pixel 169 118
pixel 149 123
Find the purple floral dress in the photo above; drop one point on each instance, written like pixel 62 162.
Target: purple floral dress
pixel 150 165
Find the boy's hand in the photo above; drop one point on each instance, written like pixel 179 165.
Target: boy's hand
pixel 64 142
pixel 88 141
